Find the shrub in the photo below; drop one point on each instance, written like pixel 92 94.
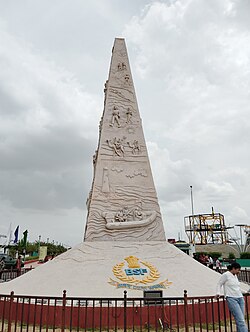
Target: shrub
pixel 215 254
pixel 245 255
pixel 231 255
pixel 198 253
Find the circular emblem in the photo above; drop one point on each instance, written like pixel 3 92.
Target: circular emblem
pixel 151 276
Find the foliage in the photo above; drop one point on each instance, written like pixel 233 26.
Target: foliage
pixel 245 255
pixel 31 247
pixel 30 258
pixel 231 255
pixel 198 253
pixel 53 249
pixel 215 254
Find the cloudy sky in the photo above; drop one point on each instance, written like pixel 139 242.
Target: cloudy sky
pixel 190 61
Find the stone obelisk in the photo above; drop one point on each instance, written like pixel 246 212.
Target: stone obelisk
pixel 122 205
pixel 124 244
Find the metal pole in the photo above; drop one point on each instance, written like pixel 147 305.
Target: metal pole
pixel 192 207
pixel 10 311
pixel 125 312
pixel 241 242
pixel 39 243
pixel 63 310
pixel 192 201
pixel 186 311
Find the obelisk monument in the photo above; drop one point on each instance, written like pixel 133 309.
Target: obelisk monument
pixel 122 204
pixel 124 243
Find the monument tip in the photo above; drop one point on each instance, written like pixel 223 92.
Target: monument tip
pixel 119 38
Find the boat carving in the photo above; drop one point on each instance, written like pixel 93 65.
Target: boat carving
pixel 125 219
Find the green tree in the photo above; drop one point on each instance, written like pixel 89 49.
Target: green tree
pixel 31 247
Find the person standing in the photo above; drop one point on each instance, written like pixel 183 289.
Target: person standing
pixel 19 265
pixel 210 262
pixel 233 295
pixel 217 265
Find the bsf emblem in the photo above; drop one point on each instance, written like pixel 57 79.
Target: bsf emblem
pixel 137 272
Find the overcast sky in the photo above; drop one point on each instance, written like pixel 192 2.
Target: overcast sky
pixel 190 61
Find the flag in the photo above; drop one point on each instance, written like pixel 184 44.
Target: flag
pixel 25 235
pixel 16 235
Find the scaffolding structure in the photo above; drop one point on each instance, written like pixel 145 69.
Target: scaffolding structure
pixel 247 237
pixel 206 229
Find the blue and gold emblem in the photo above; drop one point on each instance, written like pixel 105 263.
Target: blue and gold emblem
pixel 138 274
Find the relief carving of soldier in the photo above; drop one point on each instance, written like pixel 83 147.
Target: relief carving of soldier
pixel 137 214
pixel 126 78
pixel 121 66
pixel 115 117
pixel 117 146
pixel 135 146
pixel 122 215
pixel 129 114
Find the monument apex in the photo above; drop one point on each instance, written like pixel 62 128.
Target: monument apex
pixel 122 204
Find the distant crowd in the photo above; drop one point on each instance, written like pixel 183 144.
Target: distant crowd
pixel 208 261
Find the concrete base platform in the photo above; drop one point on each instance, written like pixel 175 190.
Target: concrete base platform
pixel 106 269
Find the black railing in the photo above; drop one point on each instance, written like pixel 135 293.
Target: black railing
pixel 30 313
pixel 7 275
pixel 243 276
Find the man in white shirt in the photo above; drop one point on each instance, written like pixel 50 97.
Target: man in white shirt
pixel 233 295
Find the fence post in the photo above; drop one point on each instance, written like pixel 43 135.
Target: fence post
pixel 247 310
pixel 63 310
pixel 10 311
pixel 125 311
pixel 186 311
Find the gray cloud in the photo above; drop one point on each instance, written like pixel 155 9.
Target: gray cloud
pixel 193 58
pixel 190 64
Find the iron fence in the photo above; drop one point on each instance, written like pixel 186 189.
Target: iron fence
pixel 7 275
pixel 30 313
pixel 243 276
